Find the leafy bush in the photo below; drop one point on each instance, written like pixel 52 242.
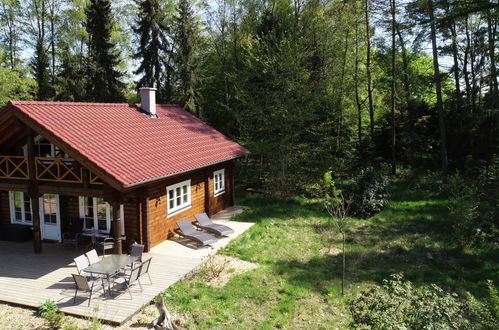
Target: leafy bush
pixel 368 193
pixel 52 313
pixel 48 306
pixel 473 206
pixel 398 304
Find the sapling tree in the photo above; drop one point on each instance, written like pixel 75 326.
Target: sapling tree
pixel 337 206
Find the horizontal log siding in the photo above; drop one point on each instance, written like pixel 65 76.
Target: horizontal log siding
pixel 161 226
pixel 222 201
pixel 4 207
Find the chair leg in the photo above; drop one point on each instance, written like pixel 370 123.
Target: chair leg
pixel 129 292
pixel 76 292
pixel 90 297
pixel 150 280
pixel 140 285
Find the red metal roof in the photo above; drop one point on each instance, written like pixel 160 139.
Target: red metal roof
pixel 128 144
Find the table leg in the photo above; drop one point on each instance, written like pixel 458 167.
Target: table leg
pixel 109 285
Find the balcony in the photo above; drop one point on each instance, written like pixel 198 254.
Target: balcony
pixel 49 169
pixel 14 167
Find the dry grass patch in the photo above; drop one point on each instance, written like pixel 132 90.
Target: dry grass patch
pixel 219 269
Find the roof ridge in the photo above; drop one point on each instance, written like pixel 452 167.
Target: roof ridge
pixel 27 102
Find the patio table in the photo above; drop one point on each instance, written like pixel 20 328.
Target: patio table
pixel 109 265
pixel 94 234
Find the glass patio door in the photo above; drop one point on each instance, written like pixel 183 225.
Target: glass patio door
pixel 50 218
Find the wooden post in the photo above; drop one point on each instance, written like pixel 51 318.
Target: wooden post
pixel 117 227
pixel 144 201
pixel 33 194
pixel 232 188
pixel 207 200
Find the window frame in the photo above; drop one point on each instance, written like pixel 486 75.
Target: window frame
pixel 182 206
pixel 12 202
pixel 221 183
pixel 95 217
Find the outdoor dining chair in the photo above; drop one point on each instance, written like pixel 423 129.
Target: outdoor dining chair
pixel 73 236
pixel 83 284
pixel 132 278
pixel 82 263
pixel 136 251
pixel 144 269
pixel 92 256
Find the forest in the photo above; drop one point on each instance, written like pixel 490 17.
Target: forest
pixel 308 86
pixel 386 109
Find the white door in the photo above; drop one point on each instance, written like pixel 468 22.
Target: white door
pixel 50 218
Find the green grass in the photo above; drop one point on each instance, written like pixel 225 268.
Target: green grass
pixel 298 286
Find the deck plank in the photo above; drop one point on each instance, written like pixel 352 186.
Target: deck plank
pixel 29 279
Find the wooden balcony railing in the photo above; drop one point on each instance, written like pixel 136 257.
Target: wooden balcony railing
pixel 58 170
pixel 94 179
pixel 14 167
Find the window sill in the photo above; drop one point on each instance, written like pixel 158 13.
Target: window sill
pixel 219 193
pixel 171 214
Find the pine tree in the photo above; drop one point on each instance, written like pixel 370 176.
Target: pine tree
pixel 186 37
pixel 40 66
pixel 103 84
pixel 152 49
pixel 70 85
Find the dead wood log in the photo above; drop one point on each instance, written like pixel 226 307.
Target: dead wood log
pixel 164 321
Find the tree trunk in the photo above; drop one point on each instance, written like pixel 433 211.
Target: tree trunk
pixel 405 63
pixel 356 82
pixel 438 87
pixel 164 321
pixel 368 71
pixel 392 8
pixel 455 57
pixel 491 31
pixel 344 266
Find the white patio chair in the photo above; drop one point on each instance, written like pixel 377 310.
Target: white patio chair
pixel 92 256
pixel 82 263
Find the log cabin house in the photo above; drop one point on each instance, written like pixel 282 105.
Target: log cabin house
pixel 143 167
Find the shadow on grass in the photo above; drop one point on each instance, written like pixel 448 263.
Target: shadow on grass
pixel 448 269
pixel 398 239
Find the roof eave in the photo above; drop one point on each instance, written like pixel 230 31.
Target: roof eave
pixel 161 177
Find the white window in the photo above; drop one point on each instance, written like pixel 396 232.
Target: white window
pixel 20 208
pixel 43 148
pixel 179 197
pixel 219 182
pixel 97 214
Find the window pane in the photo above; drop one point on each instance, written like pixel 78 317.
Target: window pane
pixel 184 188
pixel 172 203
pixel 101 208
pixel 89 223
pixel 102 224
pixel 185 199
pixel 179 201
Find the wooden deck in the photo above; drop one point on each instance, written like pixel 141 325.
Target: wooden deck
pixel 29 279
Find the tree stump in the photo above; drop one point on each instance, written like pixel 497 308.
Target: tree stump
pixel 164 321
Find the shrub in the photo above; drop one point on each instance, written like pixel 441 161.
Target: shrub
pixel 398 304
pixel 52 313
pixel 473 206
pixel 368 193
pixel 47 306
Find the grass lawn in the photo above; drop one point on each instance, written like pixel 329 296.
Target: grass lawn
pixel 297 283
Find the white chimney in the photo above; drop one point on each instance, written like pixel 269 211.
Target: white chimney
pixel 148 100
